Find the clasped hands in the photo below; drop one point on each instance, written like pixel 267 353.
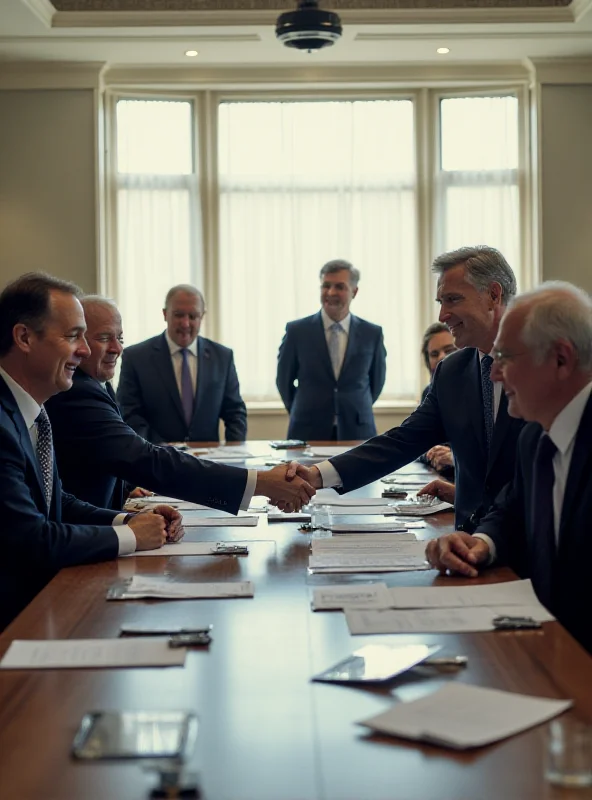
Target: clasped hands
pixel 457 552
pixel 289 486
pixel 155 527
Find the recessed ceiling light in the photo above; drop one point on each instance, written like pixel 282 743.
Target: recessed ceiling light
pixel 191 53
pixel 441 50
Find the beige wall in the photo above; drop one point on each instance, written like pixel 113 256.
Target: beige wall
pixel 47 184
pixel 566 183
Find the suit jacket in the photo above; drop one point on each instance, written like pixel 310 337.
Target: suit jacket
pixel 37 541
pixel 151 404
pixel 319 398
pixel 451 412
pixel 509 524
pixel 97 452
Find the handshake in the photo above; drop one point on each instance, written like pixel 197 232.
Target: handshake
pixel 289 486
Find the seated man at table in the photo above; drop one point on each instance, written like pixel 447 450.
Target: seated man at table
pixel 42 528
pixel 177 386
pixel 540 523
pixel 97 452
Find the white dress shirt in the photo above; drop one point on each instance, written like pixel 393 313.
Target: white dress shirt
pixel 30 410
pixel 563 435
pixel 177 359
pixel 343 334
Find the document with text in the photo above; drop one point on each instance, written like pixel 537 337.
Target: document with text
pixel 365 595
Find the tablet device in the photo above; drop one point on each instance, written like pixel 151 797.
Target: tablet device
pixel 375 663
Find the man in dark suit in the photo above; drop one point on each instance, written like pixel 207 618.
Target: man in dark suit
pixel 339 362
pixel 540 522
pixel 177 386
pixel 43 528
pixel 462 407
pixel 97 452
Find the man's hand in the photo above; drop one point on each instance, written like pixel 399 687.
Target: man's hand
pixel 309 474
pixel 443 490
pixel 289 494
pixel 149 529
pixel 174 522
pixel 440 456
pixel 139 492
pixel 458 552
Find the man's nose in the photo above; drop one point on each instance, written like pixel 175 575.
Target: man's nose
pixel 83 350
pixel 444 314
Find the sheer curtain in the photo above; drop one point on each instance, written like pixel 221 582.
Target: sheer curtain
pixel 302 183
pixel 157 210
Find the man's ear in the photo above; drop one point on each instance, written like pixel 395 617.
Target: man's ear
pixel 164 313
pixel 354 292
pixel 495 292
pixel 565 357
pixel 21 336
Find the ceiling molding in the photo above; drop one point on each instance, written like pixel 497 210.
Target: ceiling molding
pixel 52 75
pixel 186 39
pixel 459 36
pixel 249 18
pixel 363 76
pixel 561 70
pixel 42 9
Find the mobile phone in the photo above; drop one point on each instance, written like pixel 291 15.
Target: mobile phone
pixel 288 444
pixel 193 639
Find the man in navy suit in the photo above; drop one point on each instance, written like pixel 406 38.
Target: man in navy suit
pixel 177 386
pixel 97 452
pixel 339 362
pixel 540 522
pixel 462 406
pixel 42 528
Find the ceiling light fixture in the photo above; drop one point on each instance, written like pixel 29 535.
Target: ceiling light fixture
pixel 191 53
pixel 308 27
pixel 443 50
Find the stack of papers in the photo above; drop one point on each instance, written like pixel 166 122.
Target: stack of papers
pixel 461 716
pixel 392 525
pixel 143 586
pixel 191 521
pixel 223 453
pixel 275 515
pixel 344 555
pixel 367 595
pixel 185 549
pixel 329 497
pixel 508 593
pixel 140 503
pixel 421 508
pixel 84 653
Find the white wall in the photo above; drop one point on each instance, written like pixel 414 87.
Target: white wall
pixel 48 208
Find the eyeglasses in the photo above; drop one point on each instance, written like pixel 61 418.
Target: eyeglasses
pixel 500 358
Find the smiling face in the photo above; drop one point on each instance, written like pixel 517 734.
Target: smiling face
pixel 105 338
pixel 183 316
pixel 439 346
pixel 471 315
pixel 337 294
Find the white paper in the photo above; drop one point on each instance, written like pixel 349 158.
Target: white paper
pixel 437 620
pixel 329 497
pixel 420 509
pixel 220 522
pixel 368 511
pixel 510 593
pixel 378 542
pixel 366 595
pixel 224 453
pixel 84 653
pixel 155 499
pixel 374 527
pixel 181 549
pixel 275 515
pixel 462 716
pixel 145 586
pixel 328 451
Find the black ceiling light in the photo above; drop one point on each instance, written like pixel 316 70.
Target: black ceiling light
pixel 308 27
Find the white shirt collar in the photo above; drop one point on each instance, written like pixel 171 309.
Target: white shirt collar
pixel 174 348
pixel 566 423
pixel 29 408
pixel 327 321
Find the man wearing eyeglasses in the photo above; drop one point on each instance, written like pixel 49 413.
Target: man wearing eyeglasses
pixel 177 386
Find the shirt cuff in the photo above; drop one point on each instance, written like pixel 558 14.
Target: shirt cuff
pixel 249 490
pixel 329 474
pixel 125 536
pixel 491 544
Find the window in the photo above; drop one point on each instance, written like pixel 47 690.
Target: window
pixel 290 183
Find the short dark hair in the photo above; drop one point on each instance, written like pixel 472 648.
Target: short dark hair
pixel 336 266
pixel 26 301
pixel 434 328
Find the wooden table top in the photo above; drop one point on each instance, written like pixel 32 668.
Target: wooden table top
pixel 266 731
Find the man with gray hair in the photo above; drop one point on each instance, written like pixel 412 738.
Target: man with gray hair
pixel 540 522
pixel 338 361
pixel 462 406
pixel 177 386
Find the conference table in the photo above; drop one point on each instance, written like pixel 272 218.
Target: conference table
pixel 266 732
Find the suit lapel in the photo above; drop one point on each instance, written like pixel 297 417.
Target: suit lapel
pixel 163 364
pixel 470 387
pixel 578 471
pixel 320 343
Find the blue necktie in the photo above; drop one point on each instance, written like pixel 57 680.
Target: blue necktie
pixel 45 453
pixel 543 521
pixel 334 332
pixel 186 387
pixel 487 389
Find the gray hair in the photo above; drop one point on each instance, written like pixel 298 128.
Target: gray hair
pixel 336 266
pixel 484 265
pixel 188 289
pixel 558 310
pixel 99 300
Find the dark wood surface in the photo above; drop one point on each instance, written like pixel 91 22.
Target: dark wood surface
pixel 266 731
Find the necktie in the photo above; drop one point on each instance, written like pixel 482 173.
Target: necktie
pixel 543 521
pixel 334 332
pixel 110 392
pixel 45 453
pixel 487 388
pixel 186 387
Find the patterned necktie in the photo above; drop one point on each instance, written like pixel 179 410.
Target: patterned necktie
pixel 543 521
pixel 45 453
pixel 334 332
pixel 487 388
pixel 186 387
